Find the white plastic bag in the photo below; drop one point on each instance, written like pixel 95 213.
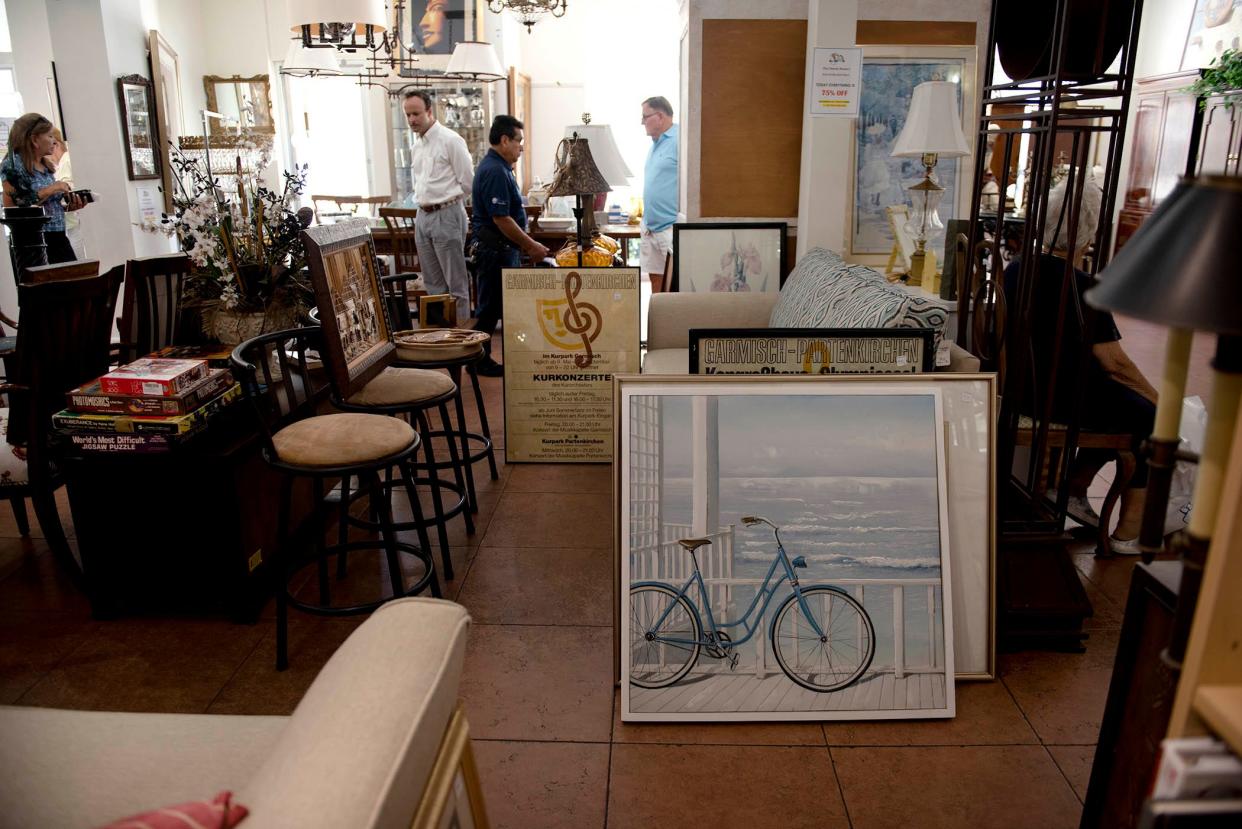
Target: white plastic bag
pixel 1194 423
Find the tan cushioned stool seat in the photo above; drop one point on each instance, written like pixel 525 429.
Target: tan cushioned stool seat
pixel 341 439
pixel 397 386
pixel 420 354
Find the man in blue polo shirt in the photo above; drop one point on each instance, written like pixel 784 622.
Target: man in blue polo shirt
pixel 499 221
pixel 660 188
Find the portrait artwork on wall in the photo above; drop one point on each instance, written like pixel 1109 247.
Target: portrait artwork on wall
pixel 784 550
pixel 889 75
pixel 434 27
pixel 728 257
pixel 341 258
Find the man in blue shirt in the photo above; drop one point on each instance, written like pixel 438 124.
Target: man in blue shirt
pixel 499 221
pixel 660 189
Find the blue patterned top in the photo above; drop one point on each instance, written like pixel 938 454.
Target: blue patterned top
pixel 26 186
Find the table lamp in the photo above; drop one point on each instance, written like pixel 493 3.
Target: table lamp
pixel 1176 271
pixel 933 130
pixel 577 175
pixel 607 159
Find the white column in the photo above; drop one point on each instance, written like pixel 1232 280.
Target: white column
pixel 706 460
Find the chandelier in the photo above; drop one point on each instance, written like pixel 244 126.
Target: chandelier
pixel 528 11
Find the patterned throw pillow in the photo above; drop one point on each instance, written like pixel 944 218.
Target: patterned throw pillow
pixel 217 813
pixel 824 291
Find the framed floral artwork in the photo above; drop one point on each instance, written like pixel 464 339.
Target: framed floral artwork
pixel 889 75
pixel 729 257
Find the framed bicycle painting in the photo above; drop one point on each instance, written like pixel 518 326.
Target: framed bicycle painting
pixel 784 549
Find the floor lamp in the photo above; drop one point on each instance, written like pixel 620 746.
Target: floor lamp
pixel 1178 271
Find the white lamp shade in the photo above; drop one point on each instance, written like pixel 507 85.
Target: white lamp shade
pixel 604 151
pixel 302 62
pixel 361 13
pixel 934 124
pixel 475 59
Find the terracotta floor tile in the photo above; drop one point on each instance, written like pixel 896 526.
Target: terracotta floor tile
pixel 1075 763
pixel 31 645
pixel 540 586
pixel 1063 694
pixel 258 688
pixel 954 787
pixel 545 785
pixel 39 583
pixel 539 683
pixel 14 552
pixel 366 578
pixel 134 665
pixel 458 536
pixel 1106 612
pixel 730 787
pixel 526 519
pixel 561 477
pixel 733 734
pixel 1110 575
pixel 8 524
pixel 986 715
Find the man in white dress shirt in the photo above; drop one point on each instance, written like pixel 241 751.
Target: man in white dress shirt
pixel 443 176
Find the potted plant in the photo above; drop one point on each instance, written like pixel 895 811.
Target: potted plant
pixel 1222 75
pixel 249 263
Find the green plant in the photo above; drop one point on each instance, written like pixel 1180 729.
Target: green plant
pixel 1223 74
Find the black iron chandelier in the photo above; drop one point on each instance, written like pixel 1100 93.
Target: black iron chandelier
pixel 528 11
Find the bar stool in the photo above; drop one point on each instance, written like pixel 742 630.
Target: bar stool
pixel 410 392
pixel 452 357
pixel 285 388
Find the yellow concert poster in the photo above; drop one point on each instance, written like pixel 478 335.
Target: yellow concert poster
pixel 567 331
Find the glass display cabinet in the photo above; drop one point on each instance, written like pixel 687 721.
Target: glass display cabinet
pixel 464 108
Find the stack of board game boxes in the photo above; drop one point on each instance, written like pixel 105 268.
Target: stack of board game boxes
pixel 150 405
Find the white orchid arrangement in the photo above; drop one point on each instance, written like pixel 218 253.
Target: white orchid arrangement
pixel 247 251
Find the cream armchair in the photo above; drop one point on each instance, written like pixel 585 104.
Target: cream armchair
pixel 375 742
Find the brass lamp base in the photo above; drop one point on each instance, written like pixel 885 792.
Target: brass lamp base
pixel 922 267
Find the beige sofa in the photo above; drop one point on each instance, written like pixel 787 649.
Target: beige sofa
pixel 359 750
pixel 823 291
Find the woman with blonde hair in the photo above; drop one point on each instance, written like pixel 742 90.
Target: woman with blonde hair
pixel 29 176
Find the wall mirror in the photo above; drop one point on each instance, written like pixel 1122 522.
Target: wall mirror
pixel 138 121
pixel 247 101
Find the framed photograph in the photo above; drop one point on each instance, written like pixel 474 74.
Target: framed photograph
pixel 1215 25
pixel 166 79
pixel 434 27
pixel 729 256
pixel 784 549
pixel 969 410
pixel 437 311
pixel 567 332
pixel 810 351
pixel 341 258
pixel 246 100
pixel 138 126
pixel 889 75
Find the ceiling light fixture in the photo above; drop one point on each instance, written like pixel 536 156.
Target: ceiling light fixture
pixel 529 11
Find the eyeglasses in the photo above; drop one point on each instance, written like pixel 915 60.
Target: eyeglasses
pixel 648 115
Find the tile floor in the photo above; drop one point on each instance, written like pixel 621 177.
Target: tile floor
pixel 538 689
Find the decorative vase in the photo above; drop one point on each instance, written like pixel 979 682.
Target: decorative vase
pixel 232 327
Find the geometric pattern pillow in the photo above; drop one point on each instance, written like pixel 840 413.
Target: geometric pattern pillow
pixel 217 813
pixel 824 291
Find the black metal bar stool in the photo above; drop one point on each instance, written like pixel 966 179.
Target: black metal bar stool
pixel 285 387
pixel 411 392
pixel 452 357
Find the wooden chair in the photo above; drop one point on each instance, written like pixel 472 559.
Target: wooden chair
pixel 151 303
pixel 349 205
pixel 61 344
pixel 400 224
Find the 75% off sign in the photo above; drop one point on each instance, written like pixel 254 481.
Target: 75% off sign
pixel 836 81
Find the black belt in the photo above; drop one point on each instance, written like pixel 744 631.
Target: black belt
pixel 432 208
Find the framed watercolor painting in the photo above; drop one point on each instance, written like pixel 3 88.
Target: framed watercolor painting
pixel 777 567
pixel 725 257
pixel 889 75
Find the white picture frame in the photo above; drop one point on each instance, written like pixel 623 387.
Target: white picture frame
pixel 888 685
pixel 876 179
pixel 166 80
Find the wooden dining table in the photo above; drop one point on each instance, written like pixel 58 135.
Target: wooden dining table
pixel 552 239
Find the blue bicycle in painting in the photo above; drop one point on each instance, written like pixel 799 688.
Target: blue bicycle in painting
pixel 821 636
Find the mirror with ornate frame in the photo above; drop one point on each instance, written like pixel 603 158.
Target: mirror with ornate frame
pixel 138 121
pixel 247 101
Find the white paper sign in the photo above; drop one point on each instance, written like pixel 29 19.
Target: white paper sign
pixel 836 81
pixel 147 206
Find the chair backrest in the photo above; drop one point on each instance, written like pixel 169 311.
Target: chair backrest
pixel 400 224
pixel 395 289
pixel 282 376
pixel 62 342
pixel 151 303
pixel 66 270
pixel 348 205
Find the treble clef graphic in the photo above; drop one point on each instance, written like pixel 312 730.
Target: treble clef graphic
pixel 581 318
